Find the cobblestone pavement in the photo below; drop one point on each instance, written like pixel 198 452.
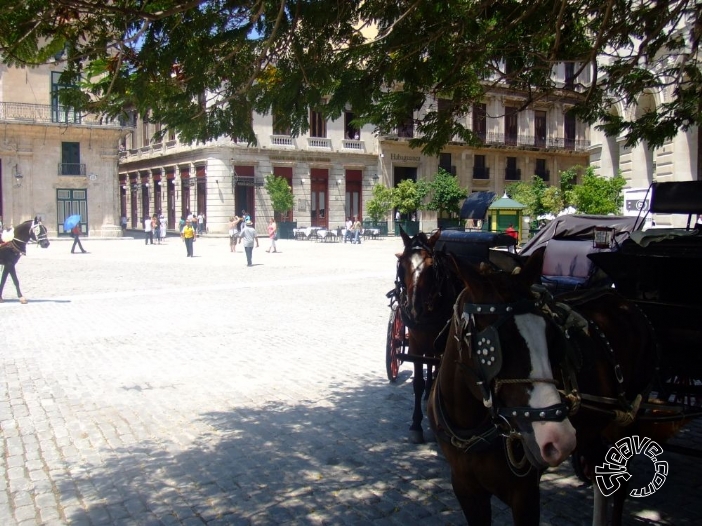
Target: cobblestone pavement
pixel 139 386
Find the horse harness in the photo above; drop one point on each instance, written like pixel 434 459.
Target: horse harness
pixel 437 317
pixel 19 246
pixel 485 354
pixel 622 411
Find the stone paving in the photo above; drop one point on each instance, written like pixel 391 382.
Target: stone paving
pixel 139 386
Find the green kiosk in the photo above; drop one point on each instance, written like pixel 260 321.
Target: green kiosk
pixel 503 212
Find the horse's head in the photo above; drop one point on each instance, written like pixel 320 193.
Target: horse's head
pixel 503 339
pixel 38 234
pixel 421 279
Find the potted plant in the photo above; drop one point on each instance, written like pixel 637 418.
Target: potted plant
pixel 378 208
pixel 407 198
pixel 282 202
pixel 445 197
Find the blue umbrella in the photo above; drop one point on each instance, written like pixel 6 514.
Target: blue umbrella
pixel 70 222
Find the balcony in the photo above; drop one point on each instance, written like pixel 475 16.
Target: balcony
pixel 481 172
pixel 71 169
pixel 285 141
pixel 513 174
pixel 530 141
pixel 47 114
pixel 319 142
pixel 353 145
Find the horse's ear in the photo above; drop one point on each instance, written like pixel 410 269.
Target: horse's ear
pixel 532 270
pixel 434 238
pixel 405 238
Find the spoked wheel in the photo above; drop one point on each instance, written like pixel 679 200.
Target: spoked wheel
pixel 396 343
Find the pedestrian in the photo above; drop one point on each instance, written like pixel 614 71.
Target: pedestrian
pixel 357 228
pixel 156 228
pixel 348 233
pixel 75 233
pixel 248 238
pixel 162 226
pixel 189 237
pixel 397 215
pixel 123 223
pixel 234 232
pixel 272 235
pixel 200 223
pixel 510 231
pixel 181 224
pixel 148 233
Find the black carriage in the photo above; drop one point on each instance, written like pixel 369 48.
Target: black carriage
pixel 655 268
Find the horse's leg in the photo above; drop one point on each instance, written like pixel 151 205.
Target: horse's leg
pixel 599 508
pixel 475 503
pixel 618 503
pixel 3 279
pixel 13 275
pixel 416 435
pixel 431 375
pixel 526 500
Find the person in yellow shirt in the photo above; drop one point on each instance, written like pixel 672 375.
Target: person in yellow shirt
pixel 188 236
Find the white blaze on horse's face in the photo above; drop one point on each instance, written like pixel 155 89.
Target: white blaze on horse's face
pixel 556 440
pixel 417 264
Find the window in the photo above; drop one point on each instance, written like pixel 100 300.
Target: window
pixel 541 170
pixel 480 120
pixel 350 131
pixel 540 129
pixel 280 127
pixel 70 159
pixel 511 125
pixel 60 113
pixel 318 126
pixel 480 171
pixel 444 105
pixel 512 173
pixel 145 139
pixel 569 75
pixel 569 131
pixel 406 128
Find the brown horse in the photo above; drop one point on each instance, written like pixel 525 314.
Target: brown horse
pixel 604 357
pixel 31 231
pixel 425 290
pixel 426 286
pixel 494 405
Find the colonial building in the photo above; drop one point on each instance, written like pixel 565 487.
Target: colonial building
pixel 333 168
pixel 678 159
pixel 54 162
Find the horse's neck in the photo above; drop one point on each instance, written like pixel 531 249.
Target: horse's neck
pixel 461 405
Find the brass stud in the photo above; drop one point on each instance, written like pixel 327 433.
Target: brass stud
pixel 542 414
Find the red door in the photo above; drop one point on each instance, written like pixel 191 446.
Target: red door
pixel 319 206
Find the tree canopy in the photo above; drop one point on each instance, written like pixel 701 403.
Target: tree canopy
pixel 444 194
pixel 201 67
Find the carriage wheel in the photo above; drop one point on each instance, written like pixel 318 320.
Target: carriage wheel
pixel 395 343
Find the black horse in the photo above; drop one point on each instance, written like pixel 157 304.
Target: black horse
pixel 31 231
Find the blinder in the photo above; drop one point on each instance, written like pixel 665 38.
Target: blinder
pixel 485 353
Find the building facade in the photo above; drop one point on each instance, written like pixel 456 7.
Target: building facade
pixel 678 159
pixel 332 169
pixel 54 162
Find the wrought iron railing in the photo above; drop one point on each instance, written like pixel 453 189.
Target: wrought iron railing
pixel 71 169
pixel 46 114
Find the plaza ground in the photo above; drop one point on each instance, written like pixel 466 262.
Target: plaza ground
pixel 139 386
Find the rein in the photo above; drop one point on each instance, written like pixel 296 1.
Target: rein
pixel 437 318
pixel 15 242
pixel 484 351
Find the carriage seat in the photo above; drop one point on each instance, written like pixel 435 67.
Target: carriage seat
pixel 566 266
